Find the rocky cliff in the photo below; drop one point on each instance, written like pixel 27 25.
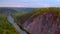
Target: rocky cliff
pixel 44 21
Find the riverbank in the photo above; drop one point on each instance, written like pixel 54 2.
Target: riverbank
pixel 11 20
pixel 5 26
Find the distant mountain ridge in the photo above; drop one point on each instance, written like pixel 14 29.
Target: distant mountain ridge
pixel 23 9
pixel 8 10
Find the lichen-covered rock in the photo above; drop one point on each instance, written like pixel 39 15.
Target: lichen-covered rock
pixel 46 23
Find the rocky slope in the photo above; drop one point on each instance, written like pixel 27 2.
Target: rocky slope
pixel 43 21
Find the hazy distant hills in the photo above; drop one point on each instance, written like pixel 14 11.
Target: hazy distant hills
pixel 18 9
pixel 7 10
pixel 23 9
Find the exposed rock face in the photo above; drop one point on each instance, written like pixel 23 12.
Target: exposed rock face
pixel 46 23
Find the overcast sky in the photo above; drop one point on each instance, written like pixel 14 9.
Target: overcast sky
pixel 29 3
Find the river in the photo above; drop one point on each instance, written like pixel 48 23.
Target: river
pixel 11 20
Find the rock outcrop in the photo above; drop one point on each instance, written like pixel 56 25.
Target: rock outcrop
pixel 43 21
pixel 46 23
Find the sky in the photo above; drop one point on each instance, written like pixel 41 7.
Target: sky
pixel 30 3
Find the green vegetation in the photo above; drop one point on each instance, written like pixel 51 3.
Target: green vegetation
pixel 35 12
pixel 5 26
pixel 28 15
pixel 22 17
pixel 38 11
pixel 21 14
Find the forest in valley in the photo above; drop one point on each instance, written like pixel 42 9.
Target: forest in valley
pixel 30 20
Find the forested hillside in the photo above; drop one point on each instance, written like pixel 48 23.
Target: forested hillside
pixel 6 27
pixel 41 21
